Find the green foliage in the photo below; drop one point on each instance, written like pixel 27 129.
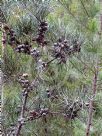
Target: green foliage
pixel 11 102
pixel 69 18
pixel 92 25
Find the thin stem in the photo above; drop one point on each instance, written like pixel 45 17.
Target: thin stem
pixel 51 61
pixel 94 88
pixel 84 8
pixel 19 127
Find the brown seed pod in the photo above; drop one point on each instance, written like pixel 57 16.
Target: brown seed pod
pixel 25 75
pixel 6 27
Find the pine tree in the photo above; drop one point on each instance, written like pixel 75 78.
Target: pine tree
pixel 58 43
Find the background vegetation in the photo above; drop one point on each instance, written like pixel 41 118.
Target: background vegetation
pixel 75 20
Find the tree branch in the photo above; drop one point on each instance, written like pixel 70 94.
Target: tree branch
pixel 21 119
pixel 84 8
pixel 94 88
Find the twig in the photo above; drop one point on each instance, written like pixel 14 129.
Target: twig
pixel 84 8
pixel 20 123
pixel 94 88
